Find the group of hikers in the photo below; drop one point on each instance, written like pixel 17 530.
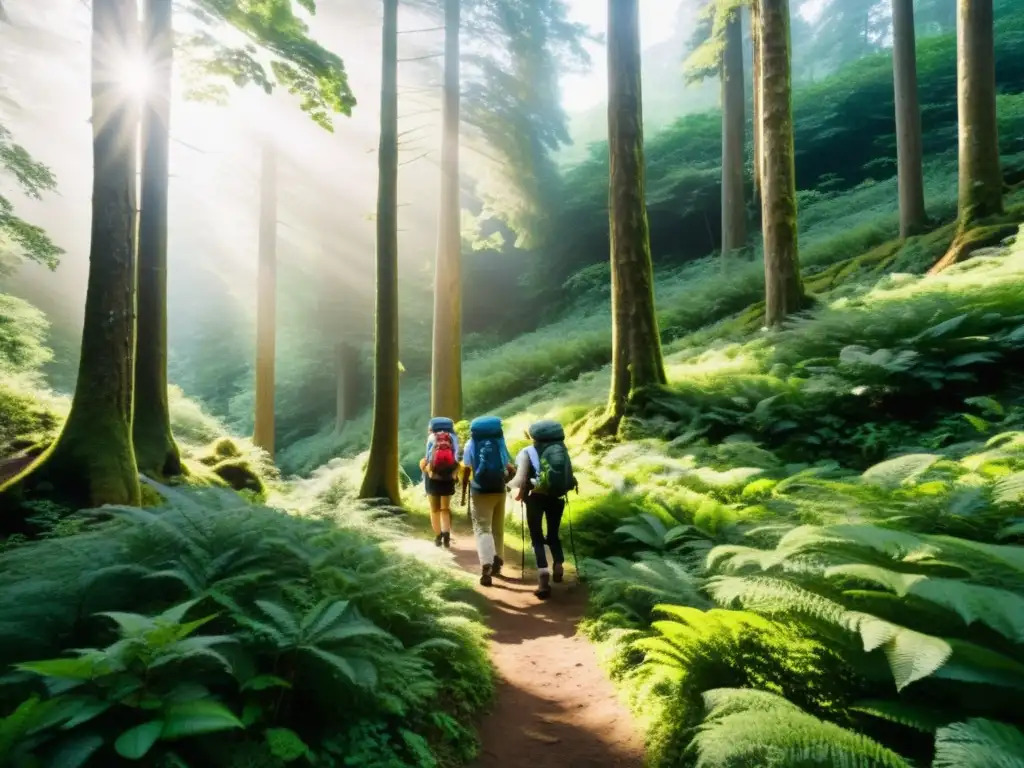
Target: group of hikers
pixel 541 477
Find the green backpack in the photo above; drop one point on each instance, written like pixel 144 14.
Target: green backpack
pixel 556 478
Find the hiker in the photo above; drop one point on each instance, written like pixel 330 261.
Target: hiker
pixel 543 479
pixel 440 467
pixel 487 462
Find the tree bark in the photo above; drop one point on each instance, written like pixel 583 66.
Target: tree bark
pixel 636 343
pixel 266 302
pixel 734 209
pixel 92 461
pixel 381 478
pixel 913 218
pixel 156 453
pixel 446 371
pixel 784 293
pixel 756 80
pixel 981 180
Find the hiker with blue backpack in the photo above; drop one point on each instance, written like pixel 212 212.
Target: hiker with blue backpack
pixel 543 480
pixel 487 468
pixel 439 467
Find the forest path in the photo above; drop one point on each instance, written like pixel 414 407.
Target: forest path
pixel 554 707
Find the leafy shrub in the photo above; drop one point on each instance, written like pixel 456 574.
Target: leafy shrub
pixel 878 613
pixel 210 629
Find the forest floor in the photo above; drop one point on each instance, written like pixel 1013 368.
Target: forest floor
pixel 554 706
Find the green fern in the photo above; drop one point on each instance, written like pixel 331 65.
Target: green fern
pixel 979 743
pixel 1001 610
pixel 750 727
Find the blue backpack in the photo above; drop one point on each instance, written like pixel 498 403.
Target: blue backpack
pixel 490 454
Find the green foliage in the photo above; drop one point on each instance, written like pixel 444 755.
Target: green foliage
pixel 844 136
pixel 750 726
pixel 864 559
pixel 18 238
pixel 302 66
pixel 239 630
pixel 976 743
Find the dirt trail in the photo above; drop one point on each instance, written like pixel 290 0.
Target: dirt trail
pixel 554 705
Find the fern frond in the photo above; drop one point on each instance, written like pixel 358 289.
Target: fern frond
pixel 912 655
pixel 999 609
pixel 773 596
pixel 902 470
pixel 1010 489
pixel 979 743
pixel 748 727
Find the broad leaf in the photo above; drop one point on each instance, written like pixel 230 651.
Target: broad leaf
pixel 134 743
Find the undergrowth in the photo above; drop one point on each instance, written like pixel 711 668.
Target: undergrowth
pixel 211 632
pixel 808 549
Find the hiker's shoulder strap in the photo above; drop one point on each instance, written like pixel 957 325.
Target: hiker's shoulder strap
pixel 534 455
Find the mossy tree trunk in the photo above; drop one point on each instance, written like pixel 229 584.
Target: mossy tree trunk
pixel 446 362
pixel 92 461
pixel 156 453
pixel 784 292
pixel 266 302
pixel 981 180
pixel 756 81
pixel 734 209
pixel 381 478
pixel 636 343
pixel 913 218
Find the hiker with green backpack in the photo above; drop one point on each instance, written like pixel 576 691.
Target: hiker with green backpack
pixel 543 479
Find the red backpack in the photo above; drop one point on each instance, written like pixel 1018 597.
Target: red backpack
pixel 442 456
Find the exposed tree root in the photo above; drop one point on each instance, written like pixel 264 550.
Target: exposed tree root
pixel 974 239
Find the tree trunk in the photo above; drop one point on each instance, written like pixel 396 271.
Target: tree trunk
pixel 92 461
pixel 381 479
pixel 636 344
pixel 346 358
pixel 266 302
pixel 446 378
pixel 755 39
pixel 784 293
pixel 734 209
pixel 913 218
pixel 981 180
pixel 155 450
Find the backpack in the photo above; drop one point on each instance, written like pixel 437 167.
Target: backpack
pixel 556 478
pixel 441 458
pixel 441 454
pixel 489 458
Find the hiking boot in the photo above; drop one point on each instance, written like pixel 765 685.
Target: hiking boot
pixel 485 576
pixel 557 572
pixel 496 567
pixel 446 540
pixel 543 591
pixel 437 540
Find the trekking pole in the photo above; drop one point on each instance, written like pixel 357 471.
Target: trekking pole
pixel 522 534
pixel 572 542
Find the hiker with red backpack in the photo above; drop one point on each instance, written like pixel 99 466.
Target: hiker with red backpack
pixel 439 467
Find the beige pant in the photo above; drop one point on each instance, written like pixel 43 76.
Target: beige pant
pixel 440 514
pixel 488 513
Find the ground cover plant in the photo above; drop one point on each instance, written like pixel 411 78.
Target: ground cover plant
pixel 213 632
pixel 846 591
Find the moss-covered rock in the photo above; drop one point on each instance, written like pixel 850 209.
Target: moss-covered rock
pixel 220 450
pixel 240 476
